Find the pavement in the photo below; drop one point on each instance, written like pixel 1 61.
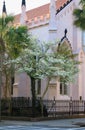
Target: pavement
pixel 61 123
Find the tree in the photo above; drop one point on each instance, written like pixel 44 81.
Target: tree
pixel 12 41
pixel 3 28
pixel 39 62
pixel 16 40
pixel 79 14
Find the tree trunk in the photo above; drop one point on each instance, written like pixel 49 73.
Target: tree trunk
pixel 33 96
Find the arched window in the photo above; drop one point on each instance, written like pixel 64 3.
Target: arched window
pixel 65 49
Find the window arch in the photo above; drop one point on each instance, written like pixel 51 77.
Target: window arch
pixel 65 49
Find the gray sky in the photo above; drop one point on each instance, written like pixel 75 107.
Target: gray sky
pixel 14 6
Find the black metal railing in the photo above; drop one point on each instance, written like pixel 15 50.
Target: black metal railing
pixel 65 107
pixel 22 106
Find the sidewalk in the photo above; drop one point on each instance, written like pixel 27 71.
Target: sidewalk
pixel 63 123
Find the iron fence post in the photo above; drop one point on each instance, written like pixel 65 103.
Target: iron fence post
pixel 70 107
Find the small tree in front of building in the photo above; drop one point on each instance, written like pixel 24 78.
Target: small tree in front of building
pixel 39 61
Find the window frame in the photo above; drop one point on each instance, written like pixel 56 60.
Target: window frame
pixel 63 89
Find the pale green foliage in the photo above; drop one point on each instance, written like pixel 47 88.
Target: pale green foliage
pixel 38 62
pixel 70 65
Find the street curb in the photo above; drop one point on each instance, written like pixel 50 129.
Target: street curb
pixel 41 118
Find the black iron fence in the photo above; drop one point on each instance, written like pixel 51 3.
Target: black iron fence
pixel 65 107
pixel 23 107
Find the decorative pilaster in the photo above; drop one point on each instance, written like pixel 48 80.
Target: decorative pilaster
pixel 52 22
pixel 23 17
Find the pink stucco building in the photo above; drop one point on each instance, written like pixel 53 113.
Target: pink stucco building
pixel 53 19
